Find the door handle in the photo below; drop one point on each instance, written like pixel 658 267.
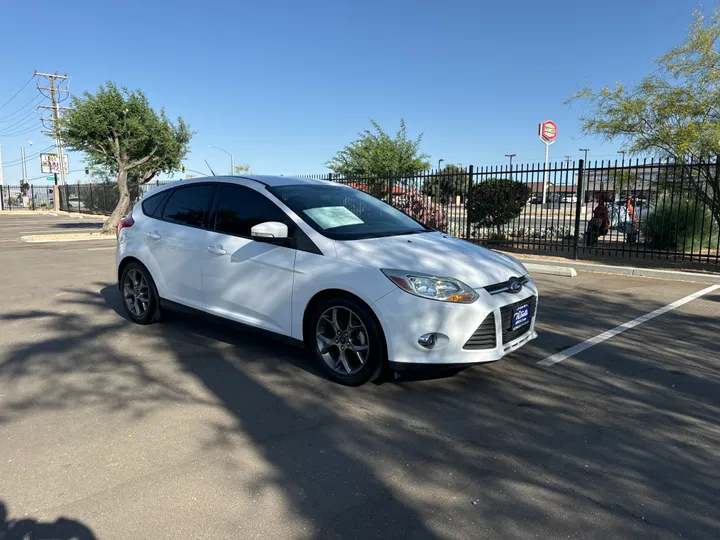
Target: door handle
pixel 154 236
pixel 217 250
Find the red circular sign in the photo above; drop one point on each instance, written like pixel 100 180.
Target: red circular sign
pixel 548 130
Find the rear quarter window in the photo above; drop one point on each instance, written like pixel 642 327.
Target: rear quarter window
pixel 151 204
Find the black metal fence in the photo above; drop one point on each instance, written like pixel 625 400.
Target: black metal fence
pixel 26 197
pixel 656 210
pixel 659 210
pixel 95 198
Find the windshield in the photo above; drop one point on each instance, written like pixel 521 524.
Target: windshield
pixel 343 213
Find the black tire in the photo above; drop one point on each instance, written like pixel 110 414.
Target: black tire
pixel 151 313
pixel 367 371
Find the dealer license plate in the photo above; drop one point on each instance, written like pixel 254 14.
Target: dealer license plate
pixel 521 316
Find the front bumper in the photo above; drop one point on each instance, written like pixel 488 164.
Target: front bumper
pixel 405 317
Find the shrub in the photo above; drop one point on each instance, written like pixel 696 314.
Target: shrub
pixel 495 202
pixel 418 206
pixel 677 225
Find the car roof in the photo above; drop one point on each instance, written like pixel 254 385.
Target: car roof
pixel 266 180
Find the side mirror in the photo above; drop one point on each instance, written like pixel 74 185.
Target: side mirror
pixel 271 232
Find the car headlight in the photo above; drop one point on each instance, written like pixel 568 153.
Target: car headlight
pixel 444 289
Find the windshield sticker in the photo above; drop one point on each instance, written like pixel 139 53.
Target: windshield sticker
pixel 329 217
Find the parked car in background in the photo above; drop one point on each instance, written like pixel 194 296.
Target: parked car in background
pixel 361 284
pixel 572 198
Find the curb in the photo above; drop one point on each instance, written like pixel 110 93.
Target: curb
pixel 35 240
pixel 549 269
pixel 673 275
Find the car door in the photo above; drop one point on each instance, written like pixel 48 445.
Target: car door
pixel 178 240
pixel 245 280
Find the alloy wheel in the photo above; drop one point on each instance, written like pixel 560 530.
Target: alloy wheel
pixel 136 293
pixel 342 340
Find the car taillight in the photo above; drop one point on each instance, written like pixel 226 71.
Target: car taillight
pixel 127 221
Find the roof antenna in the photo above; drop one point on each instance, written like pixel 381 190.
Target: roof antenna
pixel 209 167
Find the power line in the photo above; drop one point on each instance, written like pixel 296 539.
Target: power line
pixel 11 117
pixel 16 162
pixel 33 129
pixel 23 120
pixel 18 92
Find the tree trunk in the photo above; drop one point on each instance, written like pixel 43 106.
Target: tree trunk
pixel 123 205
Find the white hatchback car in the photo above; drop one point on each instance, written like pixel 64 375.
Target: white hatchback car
pixel 356 280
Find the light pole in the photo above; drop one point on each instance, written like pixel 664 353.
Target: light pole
pixel 24 165
pixel 586 150
pixel 511 156
pixel 440 162
pixel 232 157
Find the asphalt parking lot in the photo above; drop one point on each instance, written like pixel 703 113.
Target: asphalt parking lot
pixel 189 429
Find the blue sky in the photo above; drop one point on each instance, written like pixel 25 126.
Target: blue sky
pixel 285 84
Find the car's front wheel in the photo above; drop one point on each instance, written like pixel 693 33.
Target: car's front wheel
pixel 139 295
pixel 347 341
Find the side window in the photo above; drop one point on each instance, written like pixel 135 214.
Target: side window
pixel 188 205
pixel 239 209
pixel 151 204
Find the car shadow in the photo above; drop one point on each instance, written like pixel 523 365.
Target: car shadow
pixel 261 342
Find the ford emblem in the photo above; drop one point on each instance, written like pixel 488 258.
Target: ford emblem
pixel 515 285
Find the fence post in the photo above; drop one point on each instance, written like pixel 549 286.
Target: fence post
pixel 467 203
pixel 2 202
pixel 9 201
pixel 32 196
pixel 578 208
pixel 92 210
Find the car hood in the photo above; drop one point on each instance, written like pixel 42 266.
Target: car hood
pixel 432 253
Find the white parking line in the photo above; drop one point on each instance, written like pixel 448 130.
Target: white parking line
pixel 100 249
pixel 572 351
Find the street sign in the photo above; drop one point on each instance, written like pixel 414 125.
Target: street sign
pixel 547 131
pixel 50 178
pixel 49 163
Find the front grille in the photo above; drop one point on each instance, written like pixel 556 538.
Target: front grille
pixel 506 313
pixel 484 336
pixel 498 288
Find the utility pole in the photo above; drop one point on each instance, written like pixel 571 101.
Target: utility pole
pixel 55 132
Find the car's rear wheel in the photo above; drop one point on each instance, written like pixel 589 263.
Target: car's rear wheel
pixel 139 295
pixel 347 341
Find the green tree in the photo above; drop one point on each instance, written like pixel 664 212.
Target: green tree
pixel 446 184
pixel 118 130
pixel 243 169
pixel 495 202
pixel 380 158
pixel 673 112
